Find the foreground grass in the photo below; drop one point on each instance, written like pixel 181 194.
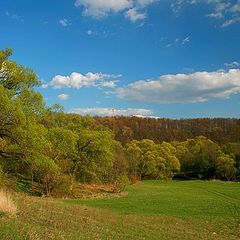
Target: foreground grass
pixel 150 210
pixel 6 204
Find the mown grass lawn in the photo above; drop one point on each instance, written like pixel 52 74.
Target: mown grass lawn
pixel 151 210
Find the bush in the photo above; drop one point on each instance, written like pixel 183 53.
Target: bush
pixel 121 183
pixel 63 189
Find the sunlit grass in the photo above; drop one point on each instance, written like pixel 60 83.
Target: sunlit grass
pixel 198 199
pixel 6 203
pixel 151 210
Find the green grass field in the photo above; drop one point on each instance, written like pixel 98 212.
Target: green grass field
pixel 149 210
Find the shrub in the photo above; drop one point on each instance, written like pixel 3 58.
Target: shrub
pixel 121 183
pixel 63 188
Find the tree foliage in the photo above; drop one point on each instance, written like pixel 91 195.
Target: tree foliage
pixel 45 146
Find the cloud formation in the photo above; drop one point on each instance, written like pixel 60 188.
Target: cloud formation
pixel 65 22
pixel 233 64
pixel 63 96
pixel 179 88
pixel 178 42
pixel 89 32
pixel 227 11
pixel 112 111
pixel 186 40
pixel 78 80
pixel 100 8
pixel 14 16
pixel 134 15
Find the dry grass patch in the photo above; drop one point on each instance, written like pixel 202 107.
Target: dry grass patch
pixel 6 203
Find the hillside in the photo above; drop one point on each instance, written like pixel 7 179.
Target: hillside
pixel 150 210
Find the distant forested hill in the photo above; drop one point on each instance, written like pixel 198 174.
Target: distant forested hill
pixel 220 130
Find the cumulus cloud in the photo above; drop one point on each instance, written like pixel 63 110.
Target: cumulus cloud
pixel 134 15
pixel 63 96
pixel 65 22
pixel 112 111
pixel 78 80
pixel 100 8
pixel 179 88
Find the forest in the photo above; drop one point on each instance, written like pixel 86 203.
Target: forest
pixel 46 151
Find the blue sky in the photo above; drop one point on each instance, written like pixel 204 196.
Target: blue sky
pixel 177 59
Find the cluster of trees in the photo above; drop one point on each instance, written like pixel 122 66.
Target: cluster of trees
pixel 54 150
pixel 126 129
pixel 200 157
pixel 43 144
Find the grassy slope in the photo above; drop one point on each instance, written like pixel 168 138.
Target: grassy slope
pixel 151 210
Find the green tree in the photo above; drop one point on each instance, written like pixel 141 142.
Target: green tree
pixel 152 160
pixel 168 163
pixel 225 167
pixel 11 119
pixel 63 142
pixel 15 77
pixel 94 154
pixel 44 171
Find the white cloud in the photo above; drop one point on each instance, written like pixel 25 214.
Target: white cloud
pixel 134 15
pixel 14 16
pixel 231 22
pixel 112 111
pixel 227 10
pixel 192 87
pixel 44 85
pixel 178 42
pixel 236 7
pixel 215 15
pixel 101 8
pixel 143 3
pixel 65 22
pixel 89 32
pixel 220 9
pixel 222 6
pixel 233 64
pixel 109 84
pixel 63 96
pixel 78 80
pixel 186 40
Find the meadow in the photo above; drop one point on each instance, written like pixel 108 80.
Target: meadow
pixel 148 210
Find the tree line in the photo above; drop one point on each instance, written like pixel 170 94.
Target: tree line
pixel 126 129
pixel 53 151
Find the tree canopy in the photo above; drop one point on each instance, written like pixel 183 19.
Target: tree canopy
pixel 44 146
